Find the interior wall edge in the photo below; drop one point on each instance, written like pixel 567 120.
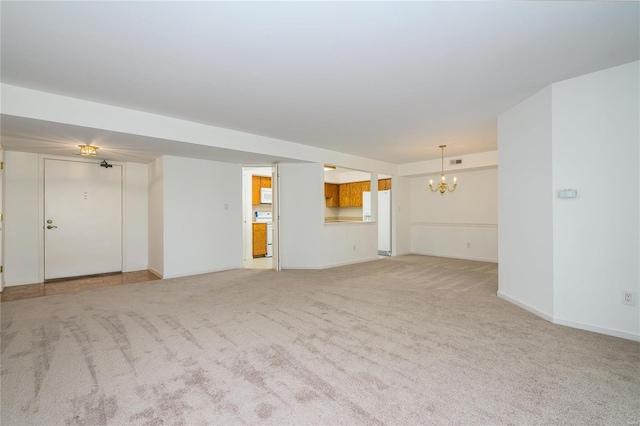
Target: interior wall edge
pixel 525 306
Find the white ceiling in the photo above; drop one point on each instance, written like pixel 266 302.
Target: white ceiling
pixel 383 80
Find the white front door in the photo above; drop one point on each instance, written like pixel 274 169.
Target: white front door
pixel 82 219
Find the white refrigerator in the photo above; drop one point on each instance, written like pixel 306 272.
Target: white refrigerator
pixel 384 223
pixel 384 219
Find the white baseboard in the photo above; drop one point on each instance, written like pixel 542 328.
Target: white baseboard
pixel 16 283
pixel 209 271
pixel 573 324
pixel 301 268
pixel 477 259
pixel 526 307
pixel 352 262
pixel 602 330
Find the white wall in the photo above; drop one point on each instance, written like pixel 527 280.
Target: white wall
pixel 202 204
pixel 27 103
pixel 596 244
pixel 156 214
pixel 401 231
pixel 346 243
pixel 346 176
pixel 525 232
pixel 301 215
pixel 569 260
pixel 481 160
pixel 136 243
pixel 22 223
pixel 460 224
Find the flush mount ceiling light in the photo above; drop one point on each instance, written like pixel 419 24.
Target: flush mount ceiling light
pixel 88 150
pixel 442 186
pixel 328 168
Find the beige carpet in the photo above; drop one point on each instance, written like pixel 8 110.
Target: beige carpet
pixel 401 341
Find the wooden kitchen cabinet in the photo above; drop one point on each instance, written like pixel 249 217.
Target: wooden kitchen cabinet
pixel 384 184
pixel 255 190
pixel 356 194
pixel 332 194
pixel 345 195
pixel 350 194
pixel 259 239
pixel 257 183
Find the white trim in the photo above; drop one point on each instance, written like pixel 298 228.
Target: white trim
pixel 2 209
pixel 348 222
pixel 460 225
pixel 601 330
pixel 17 283
pixel 477 259
pixel 123 224
pixel 352 262
pixel 577 325
pixel 525 306
pixel 303 268
pixel 209 271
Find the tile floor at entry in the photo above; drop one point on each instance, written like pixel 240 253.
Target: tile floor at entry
pixel 30 291
pixel 259 263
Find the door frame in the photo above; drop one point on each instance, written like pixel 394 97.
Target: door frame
pixel 275 209
pixel 96 161
pixel 2 209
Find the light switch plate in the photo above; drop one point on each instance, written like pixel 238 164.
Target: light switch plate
pixel 568 193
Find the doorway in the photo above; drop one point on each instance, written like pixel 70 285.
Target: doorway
pixel 82 219
pixel 259 214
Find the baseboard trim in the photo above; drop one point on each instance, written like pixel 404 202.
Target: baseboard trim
pixel 353 262
pixel 301 268
pixel 573 324
pixel 526 307
pixel 210 271
pixel 477 259
pixel 17 283
pixel 601 330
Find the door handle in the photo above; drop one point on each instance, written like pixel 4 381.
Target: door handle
pixel 51 226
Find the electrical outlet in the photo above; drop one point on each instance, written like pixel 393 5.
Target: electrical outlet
pixel 628 297
pixel 354 247
pixel 468 245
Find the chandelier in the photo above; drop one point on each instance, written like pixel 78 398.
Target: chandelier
pixel 443 185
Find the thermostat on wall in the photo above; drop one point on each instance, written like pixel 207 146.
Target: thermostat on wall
pixel 568 193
